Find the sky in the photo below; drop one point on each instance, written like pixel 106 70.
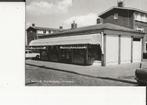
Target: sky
pixel 55 13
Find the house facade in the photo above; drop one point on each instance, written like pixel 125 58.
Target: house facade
pixel 34 32
pixel 128 17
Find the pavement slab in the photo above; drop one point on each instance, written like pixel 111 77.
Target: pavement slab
pixel 123 72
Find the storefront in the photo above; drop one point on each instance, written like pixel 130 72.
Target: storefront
pixel 107 43
pixel 74 54
pixel 79 49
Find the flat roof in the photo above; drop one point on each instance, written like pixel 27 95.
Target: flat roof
pixel 122 8
pixel 108 26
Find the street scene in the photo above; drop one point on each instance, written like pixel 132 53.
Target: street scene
pixel 40 73
pixel 39 76
pixel 65 47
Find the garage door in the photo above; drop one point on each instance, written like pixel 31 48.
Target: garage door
pixel 137 50
pixel 125 51
pixel 112 49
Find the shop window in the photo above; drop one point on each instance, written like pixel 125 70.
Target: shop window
pixel 44 55
pixel 115 15
pixel 95 52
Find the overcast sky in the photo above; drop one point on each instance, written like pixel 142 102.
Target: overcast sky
pixel 55 13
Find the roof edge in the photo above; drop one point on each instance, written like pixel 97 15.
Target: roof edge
pixel 125 8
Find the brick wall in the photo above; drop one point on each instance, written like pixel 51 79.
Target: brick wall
pixel 31 35
pixel 125 18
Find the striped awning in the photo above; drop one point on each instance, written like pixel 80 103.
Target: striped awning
pixel 69 40
pixel 37 48
pixel 73 47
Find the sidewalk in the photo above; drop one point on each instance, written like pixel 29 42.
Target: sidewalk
pixel 122 73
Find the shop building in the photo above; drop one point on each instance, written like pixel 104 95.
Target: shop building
pixel 118 37
pixel 105 43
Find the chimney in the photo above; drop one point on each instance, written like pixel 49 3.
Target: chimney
pixel 33 25
pixel 73 25
pixel 120 3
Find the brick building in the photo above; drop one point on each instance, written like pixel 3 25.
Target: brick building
pixel 127 17
pixel 33 32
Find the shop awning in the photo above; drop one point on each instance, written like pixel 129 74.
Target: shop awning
pixel 37 48
pixel 73 47
pixel 69 40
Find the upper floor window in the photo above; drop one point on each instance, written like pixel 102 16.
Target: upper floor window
pixel 39 32
pixel 47 32
pixel 99 21
pixel 51 31
pixel 140 17
pixel 44 31
pixel 140 29
pixel 145 18
pixel 115 15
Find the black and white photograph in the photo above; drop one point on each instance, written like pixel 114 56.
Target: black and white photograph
pixel 86 43
pixel 73 52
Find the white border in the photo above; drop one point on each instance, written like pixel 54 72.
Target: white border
pixel 12 89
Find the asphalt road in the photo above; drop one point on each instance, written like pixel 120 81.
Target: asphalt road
pixel 39 76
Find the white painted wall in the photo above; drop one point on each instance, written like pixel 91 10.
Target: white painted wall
pixel 137 51
pixel 125 56
pixel 112 43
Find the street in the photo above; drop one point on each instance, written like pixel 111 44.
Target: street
pixel 40 76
